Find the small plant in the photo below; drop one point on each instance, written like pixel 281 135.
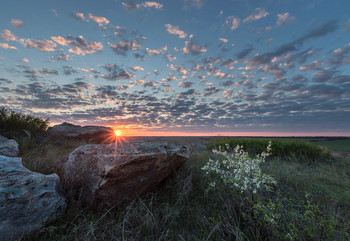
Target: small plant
pixel 240 171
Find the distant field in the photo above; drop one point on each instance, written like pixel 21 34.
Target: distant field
pixel 341 144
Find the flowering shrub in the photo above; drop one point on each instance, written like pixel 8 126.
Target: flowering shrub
pixel 239 170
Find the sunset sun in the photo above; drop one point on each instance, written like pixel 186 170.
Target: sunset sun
pixel 117 133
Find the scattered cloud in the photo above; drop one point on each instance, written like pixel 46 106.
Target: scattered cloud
pixel 123 47
pixel 258 14
pixel 315 65
pixel 79 45
pixel 284 19
pixel 6 46
pixel 185 84
pixel 17 23
pixel 61 56
pixel 101 21
pixel 232 22
pixel 137 68
pixel 25 60
pixel 193 3
pixel 132 6
pixel 244 52
pixel 151 52
pixel 43 45
pixel 193 48
pixel 7 35
pixel 116 73
pixel 317 32
pixel 175 31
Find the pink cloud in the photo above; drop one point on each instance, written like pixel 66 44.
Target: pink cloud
pixel 284 19
pixel 232 22
pixel 175 30
pixel 16 23
pixel 258 14
pixel 151 52
pixel 6 46
pixel 7 35
pixel 101 21
pixel 43 45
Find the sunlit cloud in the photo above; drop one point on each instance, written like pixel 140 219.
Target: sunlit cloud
pixel 7 35
pixel 193 48
pixel 43 45
pixel 79 45
pixel 101 21
pixel 17 23
pixel 232 22
pixel 175 31
pixel 132 6
pixel 284 19
pixel 151 52
pixel 258 14
pixel 6 46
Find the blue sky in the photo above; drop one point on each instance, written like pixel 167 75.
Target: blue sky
pixel 185 67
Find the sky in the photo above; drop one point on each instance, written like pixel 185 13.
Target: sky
pixel 180 67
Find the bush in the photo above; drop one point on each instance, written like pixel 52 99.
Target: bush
pixel 300 150
pixel 12 121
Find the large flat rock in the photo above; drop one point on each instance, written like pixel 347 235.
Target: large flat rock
pixel 98 134
pixel 105 174
pixel 27 199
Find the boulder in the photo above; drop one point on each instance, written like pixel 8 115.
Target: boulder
pixel 27 199
pixel 8 147
pixel 105 174
pixel 98 134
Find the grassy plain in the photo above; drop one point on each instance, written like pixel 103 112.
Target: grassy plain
pixel 185 208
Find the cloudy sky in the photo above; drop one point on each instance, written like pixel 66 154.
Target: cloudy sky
pixel 180 67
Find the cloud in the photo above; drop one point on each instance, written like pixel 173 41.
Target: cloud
pixel 244 52
pixel 232 22
pixel 315 65
pixel 323 76
pixel 175 30
pixel 258 14
pixel 116 73
pixel 16 23
pixel 185 84
pixel 320 31
pixel 48 71
pixel 8 81
pixel 193 48
pixel 151 52
pixel 339 56
pixel 223 40
pixel 6 46
pixel 41 44
pixel 137 68
pixel 149 4
pixel 193 3
pixel 61 56
pixel 284 19
pixel 123 47
pixel 25 60
pixel 101 21
pixel 7 35
pixel 68 70
pixel 132 6
pixel 79 45
pixel 275 70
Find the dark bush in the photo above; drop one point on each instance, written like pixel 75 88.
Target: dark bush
pixel 12 121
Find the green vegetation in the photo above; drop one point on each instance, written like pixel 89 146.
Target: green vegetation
pixel 283 149
pixel 336 145
pixel 309 202
pixel 10 120
pixel 306 194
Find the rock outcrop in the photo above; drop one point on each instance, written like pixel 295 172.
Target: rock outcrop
pixel 99 134
pixel 105 174
pixel 27 199
pixel 8 147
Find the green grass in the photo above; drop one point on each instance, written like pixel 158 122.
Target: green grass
pixel 336 145
pixel 184 208
pixel 300 150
